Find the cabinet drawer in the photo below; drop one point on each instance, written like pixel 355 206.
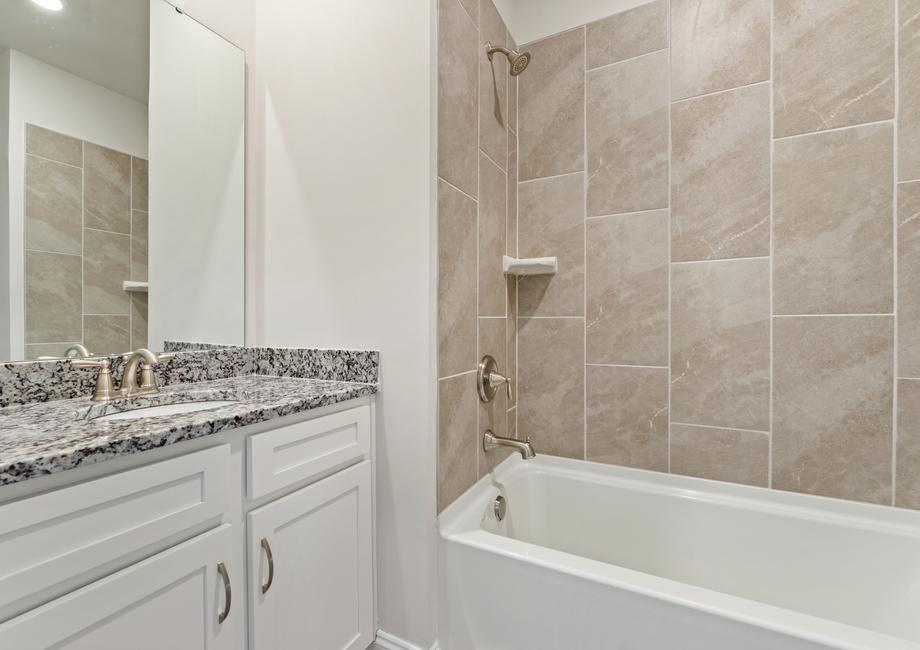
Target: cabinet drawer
pixel 53 542
pixel 301 451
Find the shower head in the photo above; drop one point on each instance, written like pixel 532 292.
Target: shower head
pixel 518 60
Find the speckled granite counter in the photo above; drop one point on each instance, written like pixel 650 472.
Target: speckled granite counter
pixel 42 438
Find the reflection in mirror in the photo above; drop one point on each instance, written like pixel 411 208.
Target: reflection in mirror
pixel 112 248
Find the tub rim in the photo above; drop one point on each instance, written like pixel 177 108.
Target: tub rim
pixel 460 523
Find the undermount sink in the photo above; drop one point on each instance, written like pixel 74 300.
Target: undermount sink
pixel 165 409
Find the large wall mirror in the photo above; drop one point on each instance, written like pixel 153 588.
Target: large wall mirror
pixel 122 183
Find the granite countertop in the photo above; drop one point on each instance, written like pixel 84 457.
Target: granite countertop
pixel 42 438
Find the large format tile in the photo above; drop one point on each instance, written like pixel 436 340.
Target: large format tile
pixel 627 418
pixel 909 91
pixel 53 145
pixel 909 279
pixel 493 86
pixel 54 206
pixel 139 321
pixel 458 98
pixel 720 175
pixel 494 415
pixel 720 344
pixel 551 107
pixel 472 9
pixel 107 334
pixel 106 189
pixel 834 63
pixel 458 451
pixel 551 222
pixel 106 265
pixel 718 44
pixel 54 298
pixel 628 34
pixel 907 475
pixel 34 351
pixel 832 406
pixel 139 182
pixel 627 112
pixel 456 281
pixel 832 222
pixel 139 245
pixel 720 454
pixel 552 385
pixel 627 289
pixel 493 197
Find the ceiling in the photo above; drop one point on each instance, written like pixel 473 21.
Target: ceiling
pixel 104 41
pixel 530 20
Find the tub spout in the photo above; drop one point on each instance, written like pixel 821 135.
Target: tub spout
pixel 523 447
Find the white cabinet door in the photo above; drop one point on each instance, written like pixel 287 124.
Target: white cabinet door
pixel 171 600
pixel 316 593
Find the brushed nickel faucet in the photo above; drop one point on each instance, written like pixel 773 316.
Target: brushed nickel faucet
pixel 106 391
pixel 490 441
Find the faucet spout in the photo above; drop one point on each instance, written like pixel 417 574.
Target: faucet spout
pixel 490 441
pixel 145 359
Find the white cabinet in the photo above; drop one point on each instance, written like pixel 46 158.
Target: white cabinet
pixel 131 559
pixel 171 600
pixel 311 579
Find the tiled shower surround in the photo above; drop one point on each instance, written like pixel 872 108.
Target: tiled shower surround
pixel 732 188
pixel 85 234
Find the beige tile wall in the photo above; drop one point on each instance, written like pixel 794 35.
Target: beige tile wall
pixel 85 233
pixel 733 191
pixel 477 199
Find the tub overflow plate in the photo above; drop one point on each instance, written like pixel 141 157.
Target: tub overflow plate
pixel 499 506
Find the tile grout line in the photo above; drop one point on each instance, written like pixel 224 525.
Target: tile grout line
pixel 836 129
pixel 452 186
pixel 584 228
pixel 670 217
pixel 626 214
pixel 52 160
pixel 625 365
pixel 723 90
pixel 478 219
pixel 895 255
pixel 716 427
pixel 613 63
pixel 723 259
pixel 549 178
pixel 887 315
pixel 771 344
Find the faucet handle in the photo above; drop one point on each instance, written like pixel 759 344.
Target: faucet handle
pixel 105 386
pixel 489 379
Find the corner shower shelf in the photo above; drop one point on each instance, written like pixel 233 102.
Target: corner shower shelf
pixel 134 287
pixel 530 265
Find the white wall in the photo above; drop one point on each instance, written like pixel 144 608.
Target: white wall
pixel 340 236
pixel 529 20
pixel 197 121
pixel 5 59
pixel 47 96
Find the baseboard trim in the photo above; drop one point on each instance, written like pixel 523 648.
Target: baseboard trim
pixel 387 641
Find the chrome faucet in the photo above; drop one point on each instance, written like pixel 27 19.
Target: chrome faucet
pixel 490 441
pixel 106 390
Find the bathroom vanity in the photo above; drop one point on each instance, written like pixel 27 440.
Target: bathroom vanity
pixel 248 524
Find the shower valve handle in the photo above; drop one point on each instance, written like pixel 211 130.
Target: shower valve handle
pixel 489 379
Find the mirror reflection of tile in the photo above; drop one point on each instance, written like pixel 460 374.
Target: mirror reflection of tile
pixel 86 233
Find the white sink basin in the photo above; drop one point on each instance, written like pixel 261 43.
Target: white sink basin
pixel 165 409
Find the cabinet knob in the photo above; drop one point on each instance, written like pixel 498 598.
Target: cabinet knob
pixel 228 592
pixel 271 565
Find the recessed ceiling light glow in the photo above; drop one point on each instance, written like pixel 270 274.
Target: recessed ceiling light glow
pixel 50 5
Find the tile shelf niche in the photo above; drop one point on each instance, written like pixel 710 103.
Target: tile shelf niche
pixel 529 265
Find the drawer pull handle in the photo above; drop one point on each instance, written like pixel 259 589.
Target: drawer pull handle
pixel 228 592
pixel 271 565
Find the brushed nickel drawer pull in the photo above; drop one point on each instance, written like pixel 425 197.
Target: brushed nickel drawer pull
pixel 228 592
pixel 271 565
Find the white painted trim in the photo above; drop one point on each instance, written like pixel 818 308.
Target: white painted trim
pixel 386 641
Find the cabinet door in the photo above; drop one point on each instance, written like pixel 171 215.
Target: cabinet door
pixel 172 600
pixel 317 590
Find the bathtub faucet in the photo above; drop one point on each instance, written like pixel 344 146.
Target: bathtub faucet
pixel 490 441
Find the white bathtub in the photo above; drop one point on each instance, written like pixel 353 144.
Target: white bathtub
pixel 592 556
